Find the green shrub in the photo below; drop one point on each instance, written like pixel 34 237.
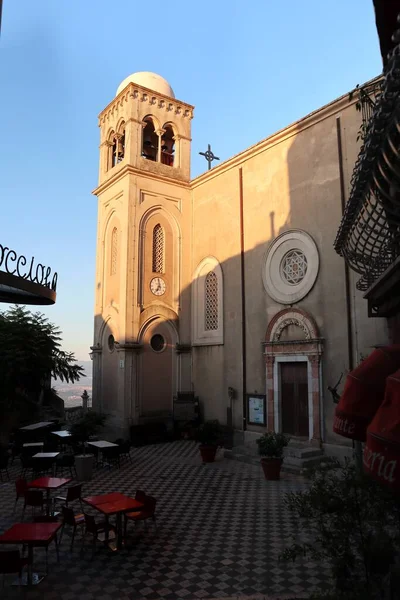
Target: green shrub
pixel 272 444
pixel 354 526
pixel 209 433
pixel 90 424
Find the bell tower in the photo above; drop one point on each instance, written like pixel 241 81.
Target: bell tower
pixel 142 292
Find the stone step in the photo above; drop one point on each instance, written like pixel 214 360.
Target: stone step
pixel 297 458
pixel 303 452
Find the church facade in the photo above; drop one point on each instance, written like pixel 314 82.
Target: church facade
pixel 228 284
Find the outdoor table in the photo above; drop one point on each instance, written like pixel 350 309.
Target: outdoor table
pixel 62 433
pixel 101 444
pixel 47 455
pixel 48 484
pixel 35 426
pixel 32 444
pixel 31 535
pixel 114 504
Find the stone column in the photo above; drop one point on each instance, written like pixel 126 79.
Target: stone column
pixel 160 133
pixel 177 149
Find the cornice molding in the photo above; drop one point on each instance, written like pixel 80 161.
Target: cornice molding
pixel 283 134
pixel 129 170
pixel 171 105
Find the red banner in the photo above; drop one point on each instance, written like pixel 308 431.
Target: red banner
pixel 364 392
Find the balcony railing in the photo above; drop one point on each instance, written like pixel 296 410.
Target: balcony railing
pixel 369 233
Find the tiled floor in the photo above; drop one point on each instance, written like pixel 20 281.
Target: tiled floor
pixel 220 529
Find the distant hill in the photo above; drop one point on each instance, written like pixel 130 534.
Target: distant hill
pixel 71 392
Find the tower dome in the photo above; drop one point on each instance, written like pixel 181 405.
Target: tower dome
pixel 149 80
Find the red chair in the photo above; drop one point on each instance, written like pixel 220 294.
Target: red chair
pixel 33 498
pixel 148 512
pixel 96 530
pixel 73 493
pixel 72 520
pixel 12 562
pixel 21 487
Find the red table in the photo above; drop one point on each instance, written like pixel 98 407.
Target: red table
pixel 32 534
pixel 114 504
pixel 48 483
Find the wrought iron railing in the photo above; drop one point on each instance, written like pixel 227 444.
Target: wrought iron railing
pixel 369 234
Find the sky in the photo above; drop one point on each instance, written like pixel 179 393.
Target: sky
pixel 249 68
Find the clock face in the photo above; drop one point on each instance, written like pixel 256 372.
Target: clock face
pixel 158 286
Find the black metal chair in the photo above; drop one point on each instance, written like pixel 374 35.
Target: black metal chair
pixel 66 461
pixel 4 458
pixel 72 520
pixel 112 455
pixel 34 499
pixel 73 493
pixel 12 562
pixel 96 530
pixel 124 450
pixel 27 464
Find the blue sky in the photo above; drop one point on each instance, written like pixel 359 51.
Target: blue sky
pixel 250 68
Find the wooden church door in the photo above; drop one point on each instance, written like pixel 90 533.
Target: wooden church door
pixel 294 398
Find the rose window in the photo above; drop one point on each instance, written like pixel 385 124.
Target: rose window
pixel 294 267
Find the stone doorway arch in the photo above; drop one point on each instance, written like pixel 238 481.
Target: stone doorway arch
pixel 293 337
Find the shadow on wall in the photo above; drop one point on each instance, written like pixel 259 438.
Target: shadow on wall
pixel 294 185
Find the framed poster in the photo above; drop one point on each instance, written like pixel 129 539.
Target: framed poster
pixel 256 409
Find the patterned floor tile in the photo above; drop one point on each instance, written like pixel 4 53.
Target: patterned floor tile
pixel 220 529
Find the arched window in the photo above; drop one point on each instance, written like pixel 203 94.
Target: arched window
pixel 208 304
pixel 114 251
pixel 167 146
pixel 150 140
pixel 111 149
pixel 211 302
pixel 120 145
pixel 158 249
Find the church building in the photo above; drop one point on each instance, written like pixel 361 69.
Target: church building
pixel 226 285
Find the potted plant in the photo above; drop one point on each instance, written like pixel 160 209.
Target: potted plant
pixel 90 424
pixel 270 447
pixel 209 435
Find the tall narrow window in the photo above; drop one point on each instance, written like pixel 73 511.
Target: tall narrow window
pixel 158 249
pixel 150 140
pixel 114 251
pixel 211 302
pixel 168 146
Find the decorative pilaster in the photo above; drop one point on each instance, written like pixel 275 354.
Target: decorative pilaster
pixel 95 355
pixel 314 360
pixel 270 361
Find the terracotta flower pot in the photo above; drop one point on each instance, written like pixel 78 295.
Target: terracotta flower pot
pixel 272 468
pixel 208 453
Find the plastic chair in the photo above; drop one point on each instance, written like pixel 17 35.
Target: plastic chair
pixel 73 493
pixel 12 562
pixel 21 487
pixel 148 512
pixel 72 520
pixel 96 529
pixel 34 499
